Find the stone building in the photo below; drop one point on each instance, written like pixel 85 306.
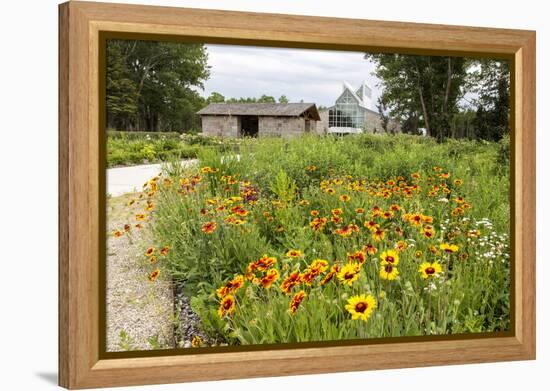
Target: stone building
pixel 258 119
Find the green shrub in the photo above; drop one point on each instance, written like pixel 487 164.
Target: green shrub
pixel 116 134
pixel 129 148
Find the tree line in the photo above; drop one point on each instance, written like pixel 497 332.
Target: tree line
pixel 216 97
pixel 445 96
pixel 154 86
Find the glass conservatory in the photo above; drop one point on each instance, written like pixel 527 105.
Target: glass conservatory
pixel 348 115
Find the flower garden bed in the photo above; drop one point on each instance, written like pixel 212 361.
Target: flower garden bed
pixel 321 239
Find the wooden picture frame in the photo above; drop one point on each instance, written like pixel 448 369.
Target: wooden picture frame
pixel 83 25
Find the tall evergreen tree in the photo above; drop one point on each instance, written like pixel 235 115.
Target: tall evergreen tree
pixel 122 95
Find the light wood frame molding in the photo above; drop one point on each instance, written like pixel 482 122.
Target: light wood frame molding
pixel 80 26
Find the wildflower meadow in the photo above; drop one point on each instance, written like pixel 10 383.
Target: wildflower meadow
pixel 325 238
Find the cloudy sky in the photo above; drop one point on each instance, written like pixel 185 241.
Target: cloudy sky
pixel 312 75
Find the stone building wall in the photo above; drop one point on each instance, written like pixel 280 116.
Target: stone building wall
pixel 322 125
pixel 220 126
pixel 226 126
pixel 373 123
pixel 282 126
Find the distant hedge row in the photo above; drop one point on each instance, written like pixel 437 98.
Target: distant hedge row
pixel 132 148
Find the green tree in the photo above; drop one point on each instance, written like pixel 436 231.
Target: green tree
pixel 490 81
pixel 122 95
pixel 382 112
pixel 165 76
pixel 266 99
pixel 283 99
pixel 463 124
pixel 423 87
pixel 215 97
pixel 261 99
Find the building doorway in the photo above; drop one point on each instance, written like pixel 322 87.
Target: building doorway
pixel 308 126
pixel 249 126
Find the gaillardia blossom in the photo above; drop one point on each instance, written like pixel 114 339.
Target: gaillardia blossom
pixel 227 306
pixel 231 287
pixel 349 273
pixel 388 271
pixel 448 248
pixel 290 281
pixel 296 301
pixel 361 306
pixel 294 254
pixel 270 277
pixel 389 256
pixel 154 275
pixel 428 270
pixel 209 227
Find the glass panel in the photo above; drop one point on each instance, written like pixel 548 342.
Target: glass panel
pixel 346 113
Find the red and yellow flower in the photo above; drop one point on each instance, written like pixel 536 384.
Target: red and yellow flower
pixel 269 278
pixel 370 249
pixel 429 270
pixel 378 234
pixel 389 256
pixel 388 271
pixel 154 275
pixel 231 287
pixel 401 245
pixel 209 227
pixel 449 248
pixel 227 306
pixel 290 282
pixel 318 223
pixel 330 275
pixel 294 253
pixel 261 265
pixel 357 256
pixel 361 306
pixel 296 301
pixel 349 273
pixel 316 267
pixel 141 217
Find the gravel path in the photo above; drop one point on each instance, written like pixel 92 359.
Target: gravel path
pixel 140 314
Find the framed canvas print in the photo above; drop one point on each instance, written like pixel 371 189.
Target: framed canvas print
pixel 247 195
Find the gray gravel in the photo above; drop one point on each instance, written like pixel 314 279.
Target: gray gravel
pixel 140 314
pixel 189 324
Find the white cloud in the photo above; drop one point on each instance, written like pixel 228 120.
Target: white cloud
pixel 300 74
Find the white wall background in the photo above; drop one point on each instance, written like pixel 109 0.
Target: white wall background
pixel 28 193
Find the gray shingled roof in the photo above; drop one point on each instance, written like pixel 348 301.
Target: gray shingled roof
pixel 261 109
